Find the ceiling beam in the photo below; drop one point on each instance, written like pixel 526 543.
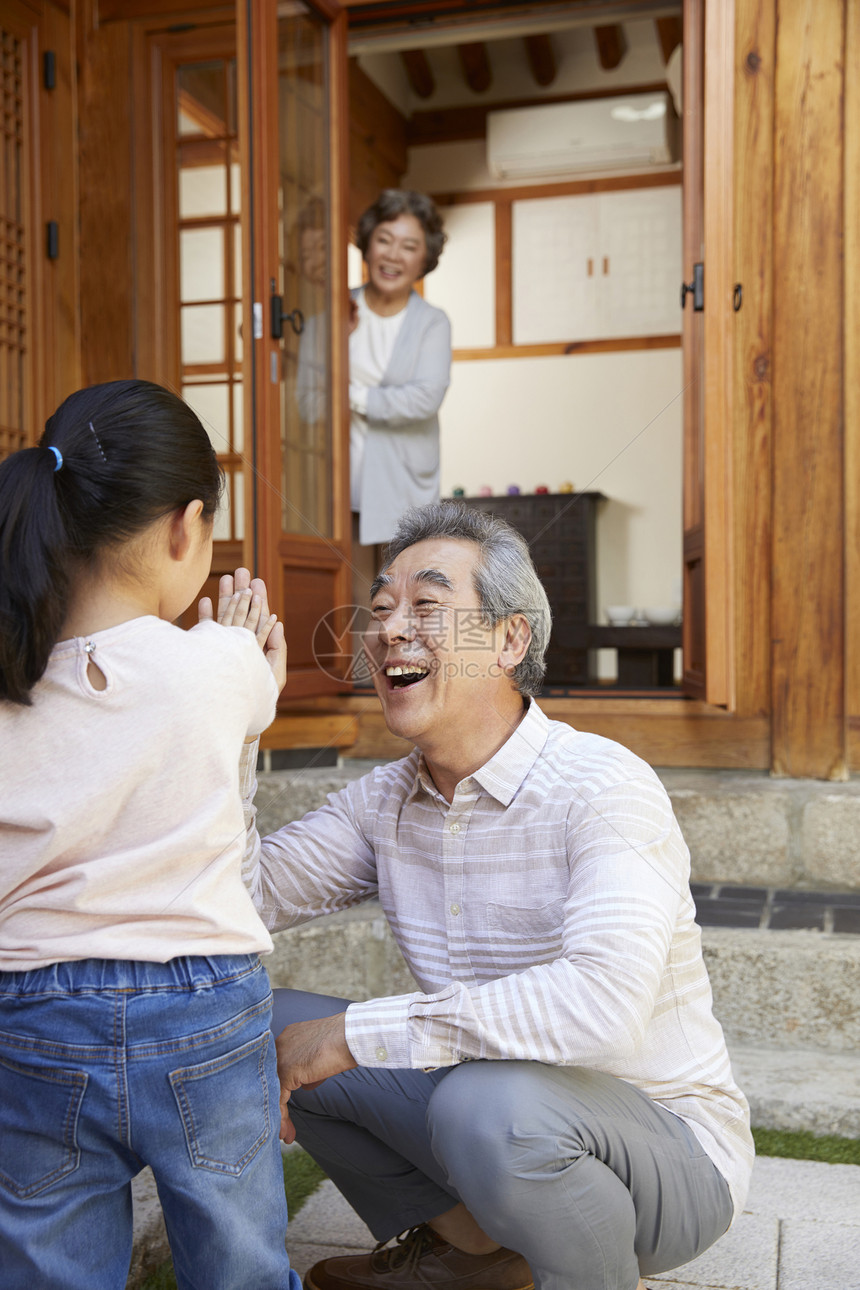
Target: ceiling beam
pixel 419 72
pixel 611 45
pixel 475 62
pixel 541 58
pixel 669 34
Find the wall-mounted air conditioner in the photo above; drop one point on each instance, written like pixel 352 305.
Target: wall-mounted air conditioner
pixel 590 135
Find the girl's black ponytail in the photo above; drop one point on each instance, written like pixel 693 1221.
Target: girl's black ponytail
pixel 34 581
pixel 113 459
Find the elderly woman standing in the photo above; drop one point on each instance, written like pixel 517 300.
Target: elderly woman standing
pixel 399 368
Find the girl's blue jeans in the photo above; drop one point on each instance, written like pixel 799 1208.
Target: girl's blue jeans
pixel 110 1065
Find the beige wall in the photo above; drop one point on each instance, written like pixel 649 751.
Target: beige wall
pixel 604 422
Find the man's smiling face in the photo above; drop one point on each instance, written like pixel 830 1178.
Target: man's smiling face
pixel 436 664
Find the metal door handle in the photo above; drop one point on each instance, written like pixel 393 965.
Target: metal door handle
pixel 696 288
pixel 278 316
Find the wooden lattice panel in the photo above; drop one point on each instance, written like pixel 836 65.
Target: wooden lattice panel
pixel 13 302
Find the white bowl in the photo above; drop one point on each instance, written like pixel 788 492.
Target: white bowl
pixel 620 615
pixel 662 616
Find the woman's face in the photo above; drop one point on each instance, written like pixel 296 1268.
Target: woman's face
pixel 396 255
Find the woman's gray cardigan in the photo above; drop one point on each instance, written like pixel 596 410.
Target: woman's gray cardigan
pixel 400 467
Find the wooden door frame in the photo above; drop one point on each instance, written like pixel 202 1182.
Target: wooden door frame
pixel 157 255
pixel 709 230
pixel 719 228
pixel 692 346
pixel 729 724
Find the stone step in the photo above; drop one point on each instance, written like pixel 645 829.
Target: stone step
pixel 799 1090
pixel 749 828
pixel 742 827
pixel 786 990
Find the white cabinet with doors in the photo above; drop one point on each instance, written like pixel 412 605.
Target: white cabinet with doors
pixel 597 266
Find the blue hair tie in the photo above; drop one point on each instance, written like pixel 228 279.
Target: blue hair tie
pixel 58 455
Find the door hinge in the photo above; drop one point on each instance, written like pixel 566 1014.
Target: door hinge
pixel 49 69
pixel 52 239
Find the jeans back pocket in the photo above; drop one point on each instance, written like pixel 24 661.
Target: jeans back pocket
pixel 224 1105
pixel 39 1110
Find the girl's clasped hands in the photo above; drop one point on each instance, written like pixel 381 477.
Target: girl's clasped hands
pixel 243 602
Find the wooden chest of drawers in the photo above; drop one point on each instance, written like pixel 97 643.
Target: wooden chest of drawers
pixel 559 528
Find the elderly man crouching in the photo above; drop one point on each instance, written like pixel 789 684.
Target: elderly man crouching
pixel 555 1105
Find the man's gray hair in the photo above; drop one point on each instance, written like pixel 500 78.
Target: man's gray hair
pixel 506 581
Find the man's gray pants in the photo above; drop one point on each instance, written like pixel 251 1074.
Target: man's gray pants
pixel 580 1172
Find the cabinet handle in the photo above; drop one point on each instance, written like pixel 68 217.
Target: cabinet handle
pixel 590 267
pixel 605 265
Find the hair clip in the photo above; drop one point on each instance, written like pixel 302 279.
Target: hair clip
pixel 58 455
pixel 98 444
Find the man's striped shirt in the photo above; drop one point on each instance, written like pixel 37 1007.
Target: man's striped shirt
pixel 545 914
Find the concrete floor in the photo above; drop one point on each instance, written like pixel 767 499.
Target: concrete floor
pixel 800 1230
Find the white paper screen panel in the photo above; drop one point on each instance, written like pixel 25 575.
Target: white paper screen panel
pixel 464 281
pixel 598 266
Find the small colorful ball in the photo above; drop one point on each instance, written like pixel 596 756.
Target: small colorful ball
pixel 541 488
pixel 513 490
pixel 458 492
pixel 485 491
pixel 566 487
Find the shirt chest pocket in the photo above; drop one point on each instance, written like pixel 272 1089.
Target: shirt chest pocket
pixel 528 922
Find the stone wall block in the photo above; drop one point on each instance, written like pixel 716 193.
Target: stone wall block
pixel 786 989
pixel 830 841
pixel 736 837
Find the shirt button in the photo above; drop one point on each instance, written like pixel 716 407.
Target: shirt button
pixel 381 1054
pixel 455 910
pixel 454 828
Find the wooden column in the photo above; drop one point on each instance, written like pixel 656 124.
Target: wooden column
pixel 808 599
pixel 504 270
pixel 852 380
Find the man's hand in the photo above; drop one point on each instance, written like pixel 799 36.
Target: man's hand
pixel 244 602
pixel 308 1053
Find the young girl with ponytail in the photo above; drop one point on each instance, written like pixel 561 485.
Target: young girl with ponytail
pixel 134 1011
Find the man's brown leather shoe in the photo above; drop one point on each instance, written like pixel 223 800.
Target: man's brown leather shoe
pixel 421 1258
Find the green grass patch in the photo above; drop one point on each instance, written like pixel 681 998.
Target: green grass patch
pixel 806 1146
pixel 302 1176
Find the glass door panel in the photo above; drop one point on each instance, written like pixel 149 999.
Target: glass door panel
pixel 304 270
pixel 292 96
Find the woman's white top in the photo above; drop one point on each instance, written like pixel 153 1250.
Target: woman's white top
pixel 370 348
